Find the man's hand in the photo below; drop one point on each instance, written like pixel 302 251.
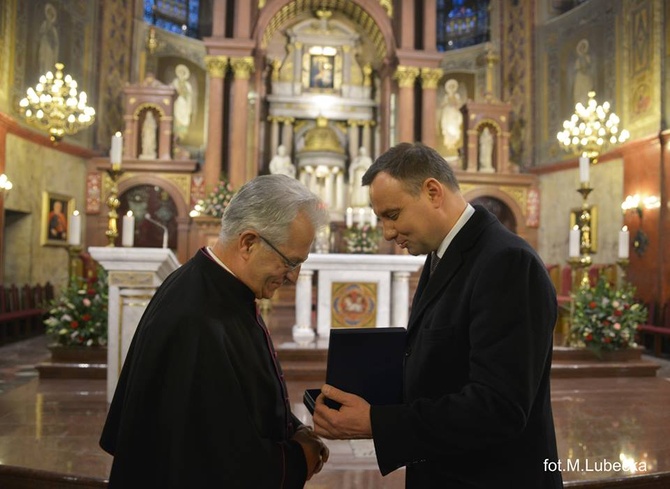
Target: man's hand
pixel 316 452
pixel 351 421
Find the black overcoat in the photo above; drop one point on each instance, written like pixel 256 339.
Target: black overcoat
pixel 477 410
pixel 199 402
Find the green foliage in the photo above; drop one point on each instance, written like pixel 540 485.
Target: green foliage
pixel 215 203
pixel 79 316
pixel 605 318
pixel 363 239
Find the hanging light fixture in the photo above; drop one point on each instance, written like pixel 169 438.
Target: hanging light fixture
pixel 53 105
pixel 5 184
pixel 591 128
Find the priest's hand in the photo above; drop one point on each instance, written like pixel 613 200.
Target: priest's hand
pixel 351 421
pixel 316 452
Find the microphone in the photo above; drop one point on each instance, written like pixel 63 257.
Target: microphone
pixel 147 216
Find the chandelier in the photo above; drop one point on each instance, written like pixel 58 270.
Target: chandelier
pixel 53 105
pixel 591 128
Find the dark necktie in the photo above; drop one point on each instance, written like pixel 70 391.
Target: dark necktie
pixel 434 260
pixel 278 371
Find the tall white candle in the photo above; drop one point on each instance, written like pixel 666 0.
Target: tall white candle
pixel 573 250
pixel 361 217
pixel 116 151
pixel 583 169
pixel 624 242
pixel 74 234
pixel 349 217
pixel 128 234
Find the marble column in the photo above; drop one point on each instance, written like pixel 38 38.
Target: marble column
pixel 429 28
pixel 274 135
pixel 400 300
pixel 367 136
pixel 216 69
pixel 429 80
pixel 287 133
pixel 303 330
pixel 237 167
pixel 406 13
pixel 406 76
pixel 339 190
pixel 353 139
pixel 385 112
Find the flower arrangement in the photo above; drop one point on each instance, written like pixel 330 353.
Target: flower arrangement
pixel 79 316
pixel 215 203
pixel 362 239
pixel 605 318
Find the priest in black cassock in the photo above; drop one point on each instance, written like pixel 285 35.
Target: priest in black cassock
pixel 201 401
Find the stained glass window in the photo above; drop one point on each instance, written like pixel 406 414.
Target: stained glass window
pixel 178 16
pixel 461 23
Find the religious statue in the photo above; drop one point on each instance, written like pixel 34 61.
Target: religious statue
pixel 281 163
pixel 451 118
pixel 149 137
pixel 183 104
pixel 583 76
pixel 47 49
pixel 486 151
pixel 359 193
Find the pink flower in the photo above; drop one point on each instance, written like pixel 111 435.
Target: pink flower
pixel 617 326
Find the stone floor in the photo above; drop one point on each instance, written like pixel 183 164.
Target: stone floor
pixel 54 425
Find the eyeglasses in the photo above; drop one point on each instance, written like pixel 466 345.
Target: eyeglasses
pixel 291 265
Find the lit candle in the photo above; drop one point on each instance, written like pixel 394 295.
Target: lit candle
pixel 574 242
pixel 74 236
pixel 373 220
pixel 128 236
pixel 115 152
pixel 361 217
pixel 624 241
pixel 350 217
pixel 584 169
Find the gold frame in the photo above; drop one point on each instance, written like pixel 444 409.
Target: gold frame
pixel 574 220
pixel 307 80
pixel 47 238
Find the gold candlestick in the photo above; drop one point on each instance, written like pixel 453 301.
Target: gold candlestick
pixel 75 265
pixel 623 267
pixel 580 271
pixel 113 203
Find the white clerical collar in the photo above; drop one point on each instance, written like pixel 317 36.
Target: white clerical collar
pixel 218 260
pixel 467 214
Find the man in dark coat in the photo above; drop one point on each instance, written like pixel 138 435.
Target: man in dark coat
pixel 201 401
pixel 477 408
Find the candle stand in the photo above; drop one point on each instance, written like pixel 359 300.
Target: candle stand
pixel 113 203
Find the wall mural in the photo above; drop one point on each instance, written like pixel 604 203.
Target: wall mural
pixel 578 53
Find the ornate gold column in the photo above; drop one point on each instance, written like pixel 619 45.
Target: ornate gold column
pixel 406 76
pixel 237 167
pixel 216 69
pixel 429 80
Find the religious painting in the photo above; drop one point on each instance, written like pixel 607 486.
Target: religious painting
pixel 575 217
pixel 354 305
pixel 56 212
pixel 321 71
pixel 188 79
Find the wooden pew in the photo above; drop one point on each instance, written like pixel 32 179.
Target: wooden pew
pixel 659 329
pixel 22 311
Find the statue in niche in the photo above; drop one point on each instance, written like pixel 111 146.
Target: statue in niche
pixel 359 193
pixel 149 137
pixel 47 50
pixel 583 76
pixel 486 151
pixel 451 118
pixel 281 163
pixel 183 104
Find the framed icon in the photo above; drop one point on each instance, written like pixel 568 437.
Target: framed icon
pixel 56 212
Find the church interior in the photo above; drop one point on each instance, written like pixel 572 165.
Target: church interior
pixel 126 127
